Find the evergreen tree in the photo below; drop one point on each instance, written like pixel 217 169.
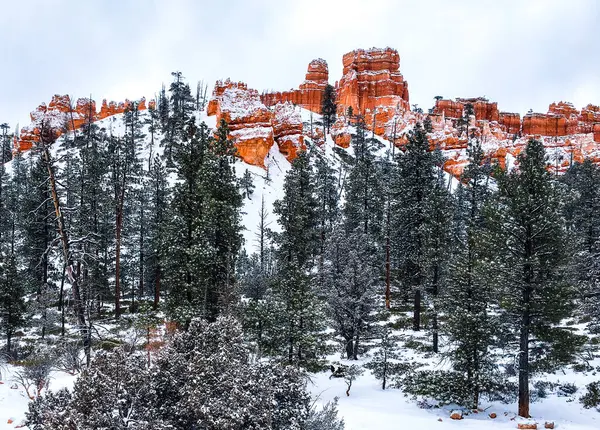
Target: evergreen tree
pixel 295 330
pixel 470 327
pixel 157 227
pixel 530 240
pixel 38 234
pixel 247 185
pixel 350 278
pixel 582 212
pixel 414 185
pixel 364 194
pixel 328 106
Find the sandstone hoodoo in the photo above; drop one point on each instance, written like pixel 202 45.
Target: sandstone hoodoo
pixel 249 120
pixel 62 116
pixel 373 86
pixel 288 130
pixel 310 93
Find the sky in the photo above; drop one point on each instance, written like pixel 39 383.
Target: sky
pixel 523 54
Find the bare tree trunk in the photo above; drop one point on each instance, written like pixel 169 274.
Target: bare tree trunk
pixel 47 138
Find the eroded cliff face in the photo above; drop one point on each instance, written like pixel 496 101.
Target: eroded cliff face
pixel 310 93
pixel 567 133
pixel 372 88
pixel 253 126
pixel 62 116
pixel 249 120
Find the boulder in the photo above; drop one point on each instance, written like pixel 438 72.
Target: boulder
pixel 456 414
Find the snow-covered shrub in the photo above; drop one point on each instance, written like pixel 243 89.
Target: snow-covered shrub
pixel 203 378
pixel 34 374
pixel 325 418
pixel 451 387
pixel 591 398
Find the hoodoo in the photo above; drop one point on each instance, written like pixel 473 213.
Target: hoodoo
pixel 372 88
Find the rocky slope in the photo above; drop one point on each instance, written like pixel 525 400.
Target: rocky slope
pixel 372 87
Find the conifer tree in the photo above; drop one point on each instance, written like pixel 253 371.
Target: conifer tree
pixel 582 212
pixel 328 106
pixel 530 240
pixel 295 330
pixel 411 207
pixel 157 227
pixel 470 327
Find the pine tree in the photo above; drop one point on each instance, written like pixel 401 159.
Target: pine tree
pixel 530 240
pixel 183 257
pixel 222 224
pixel 414 185
pixel 157 227
pixel 328 106
pixel 582 212
pixel 38 234
pixel 470 327
pixel 363 188
pixel 350 278
pixel 295 333
pixel 247 185
pixel 327 196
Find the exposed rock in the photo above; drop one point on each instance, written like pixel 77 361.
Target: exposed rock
pixel 61 116
pixel 527 426
pixel 550 124
pixel 549 425
pixel 310 93
pixel 448 108
pixel 511 122
pixel 493 415
pixel 456 414
pixel 249 120
pixel 340 133
pixel 288 129
pixel 373 86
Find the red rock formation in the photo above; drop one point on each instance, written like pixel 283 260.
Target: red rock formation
pixel 510 122
pixel 249 120
pixel 287 130
pixel 549 124
pixel 483 108
pixel 597 132
pixel 341 133
pixel 373 86
pixel 449 108
pixel 310 93
pixel 62 116
pixel 588 116
pixel 563 108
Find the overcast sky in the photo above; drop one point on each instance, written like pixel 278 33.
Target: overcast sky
pixel 523 54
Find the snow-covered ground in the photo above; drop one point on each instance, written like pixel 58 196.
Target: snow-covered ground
pixel 14 400
pixel 369 407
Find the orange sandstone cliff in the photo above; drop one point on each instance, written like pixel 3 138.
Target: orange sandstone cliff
pixel 371 87
pixel 310 93
pixel 61 115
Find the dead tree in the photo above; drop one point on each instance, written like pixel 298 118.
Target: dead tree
pixel 47 137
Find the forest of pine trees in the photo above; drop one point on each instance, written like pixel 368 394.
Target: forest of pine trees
pixel 103 233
